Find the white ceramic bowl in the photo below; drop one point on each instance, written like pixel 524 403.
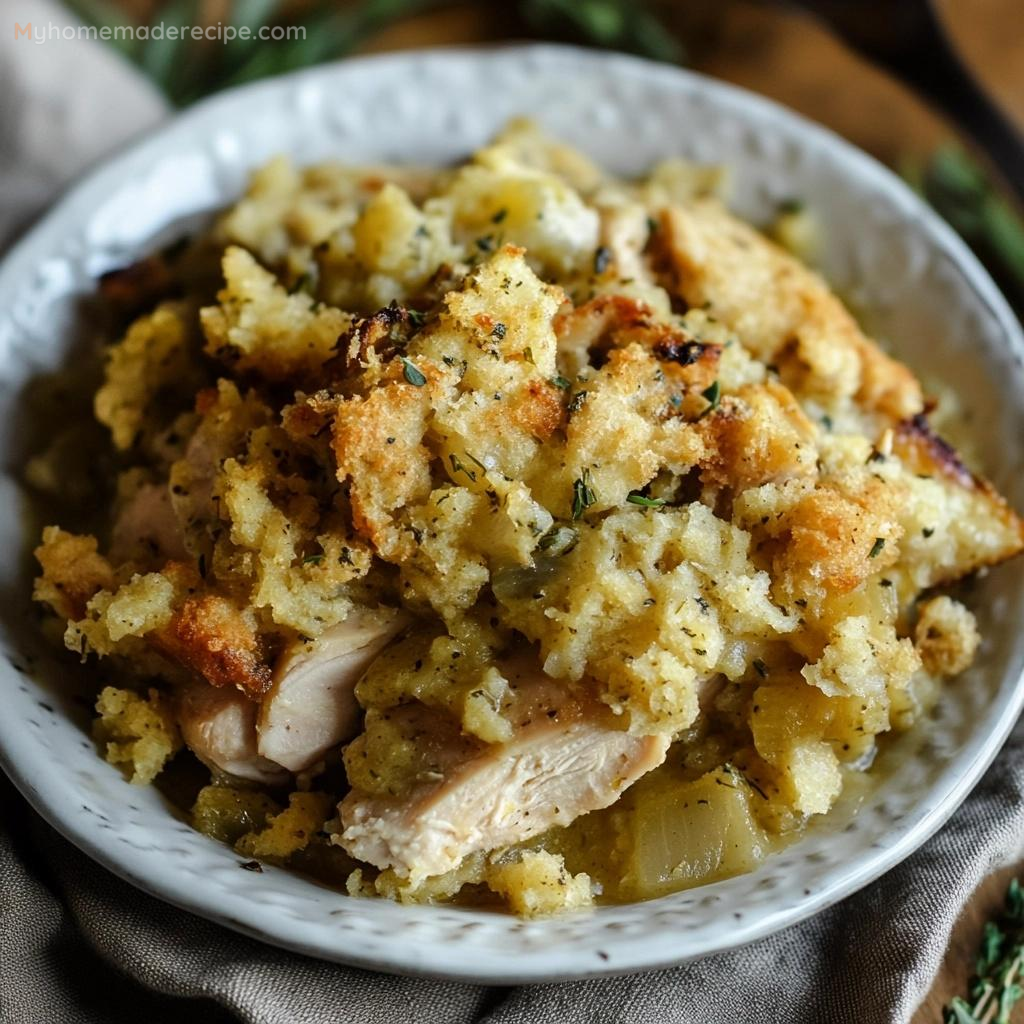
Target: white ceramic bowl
pixel 920 286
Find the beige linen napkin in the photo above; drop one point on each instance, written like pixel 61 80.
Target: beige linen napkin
pixel 78 946
pixel 63 104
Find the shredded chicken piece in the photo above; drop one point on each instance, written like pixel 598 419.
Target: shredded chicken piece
pixel 311 704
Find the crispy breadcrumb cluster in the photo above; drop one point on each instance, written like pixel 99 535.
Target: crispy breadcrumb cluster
pixel 531 403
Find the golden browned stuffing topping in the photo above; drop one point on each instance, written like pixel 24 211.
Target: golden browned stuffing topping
pixel 550 536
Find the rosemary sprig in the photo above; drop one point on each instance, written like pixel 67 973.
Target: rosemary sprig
pixel 619 24
pixel 186 69
pixel 964 194
pixel 996 987
pixel 104 14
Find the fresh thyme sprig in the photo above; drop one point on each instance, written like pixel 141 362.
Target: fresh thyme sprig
pixel 997 986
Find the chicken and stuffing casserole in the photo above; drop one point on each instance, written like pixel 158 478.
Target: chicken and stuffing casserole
pixel 508 533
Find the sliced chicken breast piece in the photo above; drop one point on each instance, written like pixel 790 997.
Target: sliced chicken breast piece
pixel 193 476
pixel 147 521
pixel 311 704
pixel 568 755
pixel 219 726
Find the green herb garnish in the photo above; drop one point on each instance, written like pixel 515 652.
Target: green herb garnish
pixel 412 373
pixel 643 501
pixel 876 548
pixel 559 540
pixel 602 259
pixel 965 194
pixel 458 467
pixel 583 495
pixel 996 988
pixel 560 382
pixel 499 216
pixel 498 331
pixel 760 668
pixel 304 284
pixel 714 396
pixel 312 559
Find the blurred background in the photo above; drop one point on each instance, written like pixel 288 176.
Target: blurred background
pixel 782 50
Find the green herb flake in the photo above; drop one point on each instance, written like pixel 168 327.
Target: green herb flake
pixel 602 259
pixel 643 501
pixel 714 396
pixel 583 495
pixel 559 540
pixel 412 373
pixel 416 318
pixel 312 559
pixel 304 284
pixel 876 548
pixel 760 668
pixel 560 382
pixel 458 467
pixel 500 216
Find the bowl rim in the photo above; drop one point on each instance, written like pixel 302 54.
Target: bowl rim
pixel 535 966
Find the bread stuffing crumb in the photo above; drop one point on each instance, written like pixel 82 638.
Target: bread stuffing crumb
pixel 137 733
